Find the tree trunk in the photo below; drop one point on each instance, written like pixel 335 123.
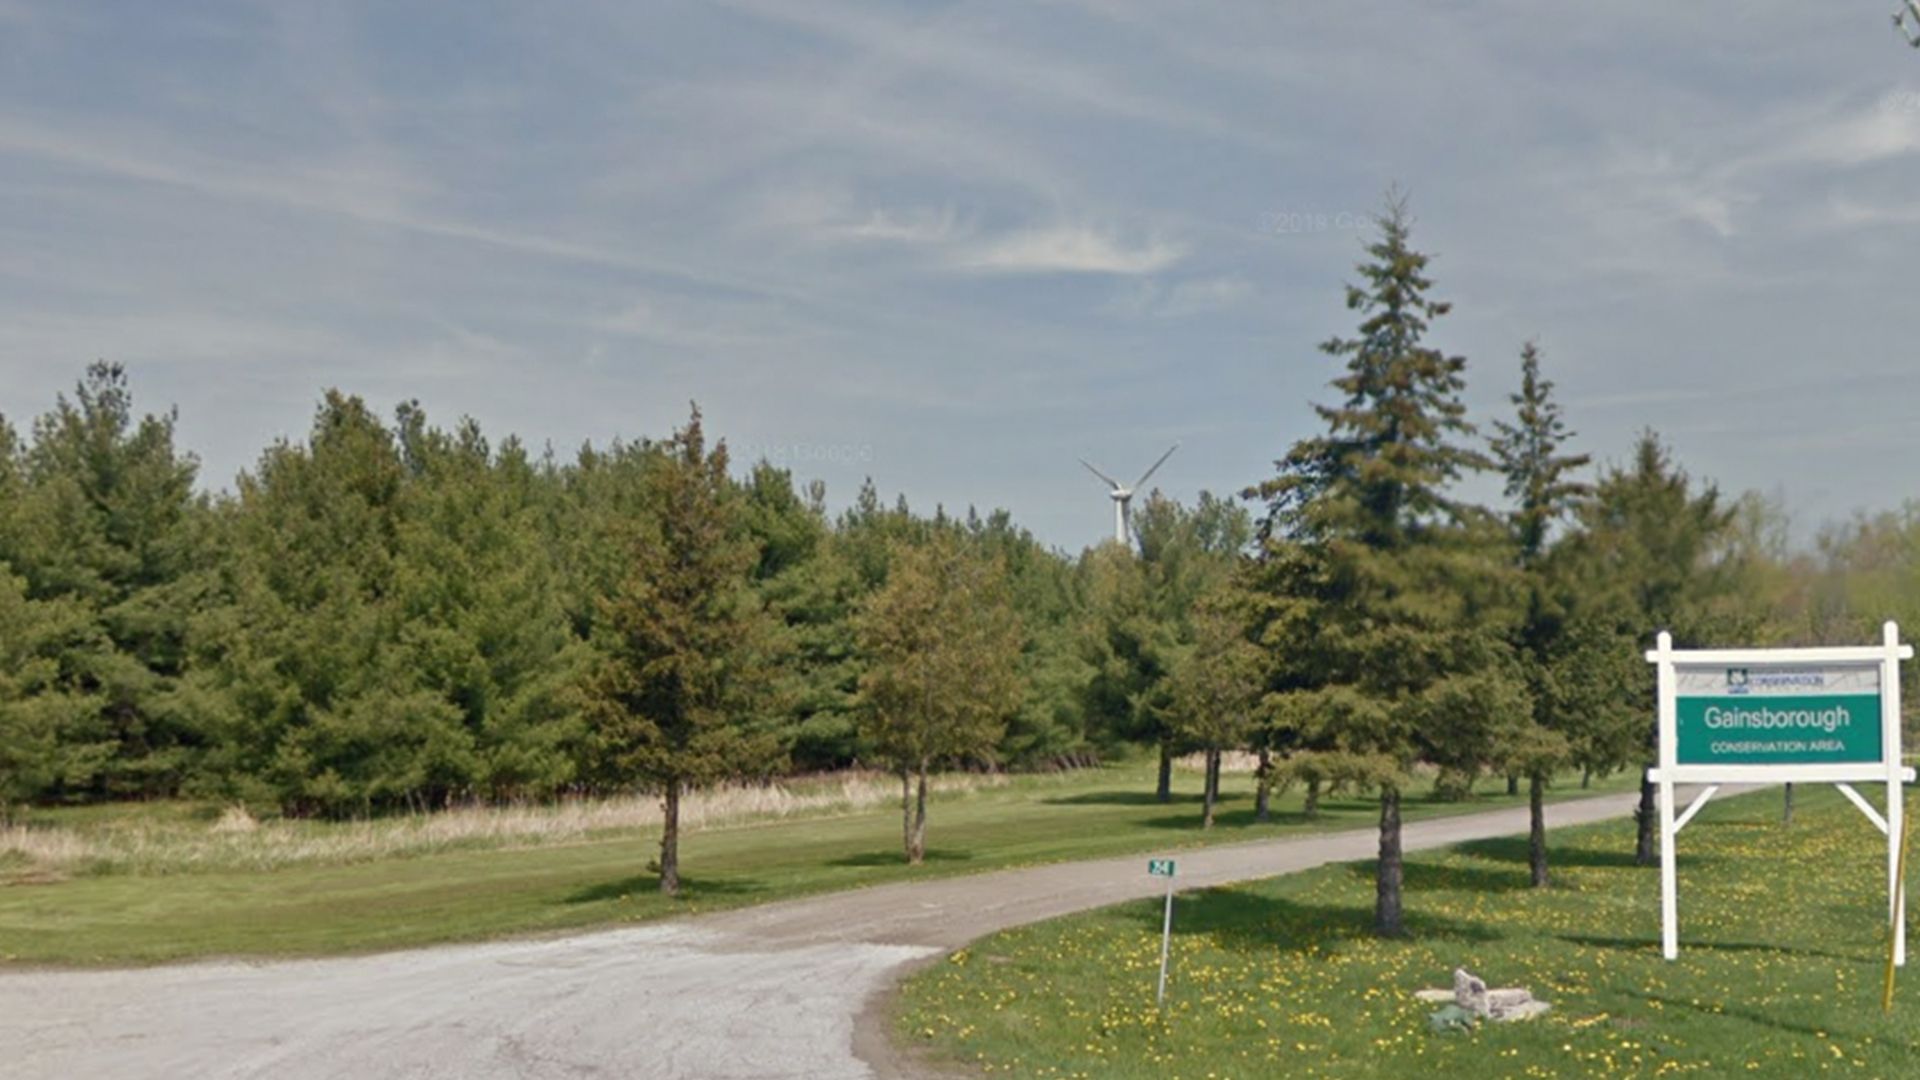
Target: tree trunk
pixel 1263 791
pixel 1210 789
pixel 1643 849
pixel 906 812
pixel 1386 886
pixel 670 841
pixel 1164 792
pixel 1537 835
pixel 1644 852
pixel 1786 810
pixel 917 839
pixel 1312 807
pixel 1513 783
pixel 1586 777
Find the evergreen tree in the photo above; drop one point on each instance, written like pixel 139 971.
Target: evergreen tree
pixel 1399 612
pixel 811 587
pixel 48 740
pixel 685 683
pixel 1049 725
pixel 315 708
pixel 1129 651
pixel 1655 548
pixel 1138 620
pixel 943 648
pixel 1539 480
pixel 103 516
pixel 482 624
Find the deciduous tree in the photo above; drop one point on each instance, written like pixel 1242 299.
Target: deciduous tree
pixel 1217 687
pixel 942 644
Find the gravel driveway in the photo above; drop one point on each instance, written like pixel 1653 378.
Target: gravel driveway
pixel 780 990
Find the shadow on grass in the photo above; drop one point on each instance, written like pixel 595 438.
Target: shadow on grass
pixel 1455 877
pixel 1241 918
pixel 1650 942
pixel 1826 1033
pixel 1120 798
pixel 691 888
pixel 1513 849
pixel 897 857
pixel 1231 819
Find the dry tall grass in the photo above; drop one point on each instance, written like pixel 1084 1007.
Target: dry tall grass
pixel 237 841
pixel 1231 761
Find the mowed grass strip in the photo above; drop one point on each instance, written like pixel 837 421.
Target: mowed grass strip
pixel 421 899
pixel 1783 944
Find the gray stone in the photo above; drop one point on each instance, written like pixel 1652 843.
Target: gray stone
pixel 1470 993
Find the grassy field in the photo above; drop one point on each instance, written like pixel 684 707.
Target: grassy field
pixel 149 884
pixel 1783 941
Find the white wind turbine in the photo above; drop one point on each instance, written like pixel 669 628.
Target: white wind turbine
pixel 1122 495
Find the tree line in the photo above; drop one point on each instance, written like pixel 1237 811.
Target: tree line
pixel 393 615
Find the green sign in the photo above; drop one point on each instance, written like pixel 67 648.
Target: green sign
pixel 1160 867
pixel 1778 716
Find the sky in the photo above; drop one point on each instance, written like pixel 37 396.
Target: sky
pixel 955 246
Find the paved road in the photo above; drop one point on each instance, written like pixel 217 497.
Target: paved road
pixel 769 992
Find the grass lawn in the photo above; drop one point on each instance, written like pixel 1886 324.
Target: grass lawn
pixel 134 917
pixel 1783 942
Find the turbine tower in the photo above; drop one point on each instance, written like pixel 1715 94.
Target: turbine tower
pixel 1122 495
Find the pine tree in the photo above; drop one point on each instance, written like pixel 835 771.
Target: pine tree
pixel 1138 618
pixel 47 739
pixel 1394 609
pixel 483 626
pixel 1130 651
pixel 313 706
pixel 690 656
pixel 105 517
pixel 811 587
pixel 943 647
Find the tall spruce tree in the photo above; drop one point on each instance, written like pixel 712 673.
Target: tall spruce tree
pixel 1400 610
pixel 1655 548
pixel 689 654
pixel 1540 482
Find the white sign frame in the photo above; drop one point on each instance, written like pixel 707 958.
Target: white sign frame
pixel 1890 769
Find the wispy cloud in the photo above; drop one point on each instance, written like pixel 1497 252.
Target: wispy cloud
pixel 923 227
pixel 1069 249
pixel 689 323
pixel 947 45
pixel 379 199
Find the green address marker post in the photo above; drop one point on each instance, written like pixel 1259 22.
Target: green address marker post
pixel 1163 868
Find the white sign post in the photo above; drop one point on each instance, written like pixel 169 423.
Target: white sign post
pixel 1163 868
pixel 1780 716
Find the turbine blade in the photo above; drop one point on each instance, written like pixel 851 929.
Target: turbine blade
pixel 1156 466
pixel 1098 473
